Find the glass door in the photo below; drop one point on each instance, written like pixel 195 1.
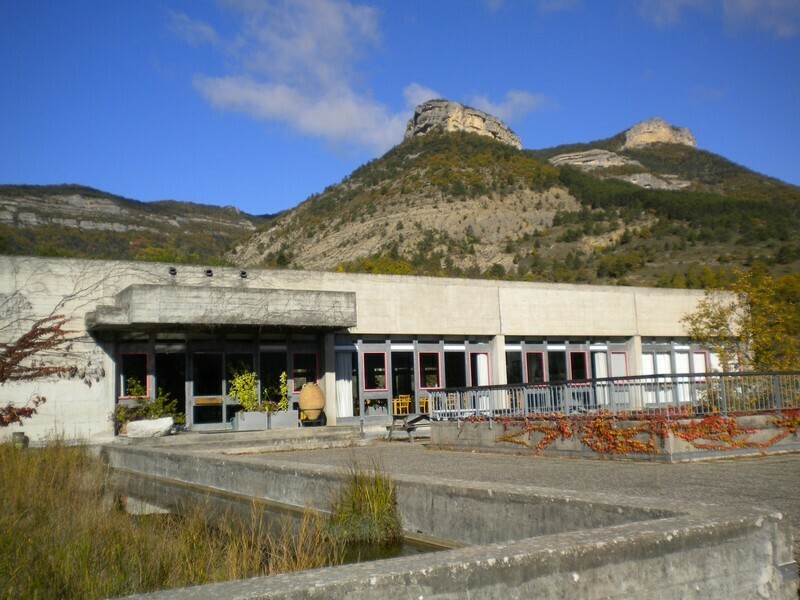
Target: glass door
pixel 207 399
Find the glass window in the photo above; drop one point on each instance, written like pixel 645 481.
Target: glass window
pixel 578 367
pixel 374 371
pixel 304 369
pixel 429 370
pixel 207 373
pixel 513 367
pixel 455 371
pixel 556 365
pixel 534 361
pixel 273 365
pixel 479 368
pixel 133 372
pixel 619 364
pixel 700 362
pixel 599 365
pixel 402 373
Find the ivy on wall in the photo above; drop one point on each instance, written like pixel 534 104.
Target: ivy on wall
pixel 606 433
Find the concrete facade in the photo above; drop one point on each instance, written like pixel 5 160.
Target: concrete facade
pixel 157 310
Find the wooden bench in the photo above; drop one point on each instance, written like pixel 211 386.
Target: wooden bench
pixel 408 423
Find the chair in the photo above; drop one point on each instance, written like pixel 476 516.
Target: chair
pixel 423 404
pixel 401 405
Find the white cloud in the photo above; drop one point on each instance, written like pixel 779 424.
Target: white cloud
pixel 494 5
pixel 552 6
pixel 192 30
pixel 516 105
pixel 337 115
pixel 416 93
pixel 669 12
pixel 780 18
pixel 295 61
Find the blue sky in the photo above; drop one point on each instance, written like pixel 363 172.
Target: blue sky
pixel 260 104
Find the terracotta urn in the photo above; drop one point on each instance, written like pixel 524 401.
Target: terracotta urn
pixel 311 400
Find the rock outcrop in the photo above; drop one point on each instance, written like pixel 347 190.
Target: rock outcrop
pixel 655 182
pixel 594 159
pixel 444 115
pixel 657 130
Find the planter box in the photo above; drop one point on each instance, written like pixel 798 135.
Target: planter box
pixel 284 419
pixel 249 421
pixel 259 421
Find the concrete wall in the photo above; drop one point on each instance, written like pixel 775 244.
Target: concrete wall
pixel 386 305
pixel 529 542
pixel 485 437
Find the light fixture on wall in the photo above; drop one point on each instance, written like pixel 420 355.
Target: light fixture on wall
pixel 243 274
pixel 209 273
pixel 173 271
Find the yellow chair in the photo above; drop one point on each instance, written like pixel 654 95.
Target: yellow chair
pixel 401 404
pixel 423 404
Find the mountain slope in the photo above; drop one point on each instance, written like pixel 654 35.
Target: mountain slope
pixel 78 221
pixel 644 206
pixel 460 204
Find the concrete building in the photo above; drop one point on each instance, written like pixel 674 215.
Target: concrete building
pixel 366 339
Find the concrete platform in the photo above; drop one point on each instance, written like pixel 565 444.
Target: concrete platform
pixel 632 529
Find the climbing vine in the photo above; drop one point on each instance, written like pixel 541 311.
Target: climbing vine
pixel 606 433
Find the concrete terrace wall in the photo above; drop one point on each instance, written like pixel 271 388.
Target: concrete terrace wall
pixel 486 437
pixel 530 542
pixel 79 404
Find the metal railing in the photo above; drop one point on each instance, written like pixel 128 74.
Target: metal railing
pixel 680 394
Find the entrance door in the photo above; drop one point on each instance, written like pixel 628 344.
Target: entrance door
pixel 207 399
pixel 171 377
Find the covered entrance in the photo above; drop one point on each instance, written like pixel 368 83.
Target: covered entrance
pixel 189 342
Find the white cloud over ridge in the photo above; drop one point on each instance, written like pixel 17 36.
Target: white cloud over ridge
pixel 416 93
pixel 516 105
pixel 295 62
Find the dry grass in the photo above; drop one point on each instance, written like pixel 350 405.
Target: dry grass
pixel 365 508
pixel 62 537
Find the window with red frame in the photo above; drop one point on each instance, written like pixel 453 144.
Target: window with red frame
pixel 429 374
pixel 374 371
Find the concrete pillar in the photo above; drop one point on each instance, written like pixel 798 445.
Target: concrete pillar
pixel 329 377
pixel 498 349
pixel 635 355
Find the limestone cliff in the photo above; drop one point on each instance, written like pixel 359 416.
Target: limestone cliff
pixel 657 130
pixel 444 115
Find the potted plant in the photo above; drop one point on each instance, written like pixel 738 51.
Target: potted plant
pixel 141 407
pixel 276 397
pixel 242 388
pixel 257 414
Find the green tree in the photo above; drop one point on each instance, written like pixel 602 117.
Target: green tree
pixel 753 323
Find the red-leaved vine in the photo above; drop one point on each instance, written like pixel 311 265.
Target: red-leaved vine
pixel 18 363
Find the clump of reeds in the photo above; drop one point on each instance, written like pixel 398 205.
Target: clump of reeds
pixel 60 536
pixel 365 507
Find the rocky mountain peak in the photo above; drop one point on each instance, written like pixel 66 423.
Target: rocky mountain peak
pixel 444 115
pixel 657 130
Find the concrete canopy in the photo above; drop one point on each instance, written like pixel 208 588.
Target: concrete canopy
pixel 140 307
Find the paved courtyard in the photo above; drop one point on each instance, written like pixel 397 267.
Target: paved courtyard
pixel 765 481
